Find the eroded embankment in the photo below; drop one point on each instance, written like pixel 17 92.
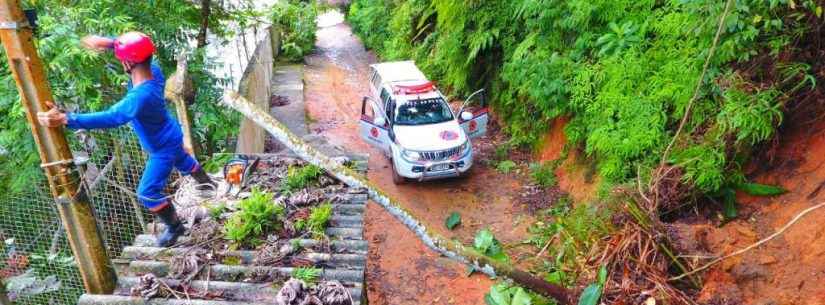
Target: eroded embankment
pixel 789 269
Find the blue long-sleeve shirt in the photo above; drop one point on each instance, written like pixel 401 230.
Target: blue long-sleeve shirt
pixel 145 107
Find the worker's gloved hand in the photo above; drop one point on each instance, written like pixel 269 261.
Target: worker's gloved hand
pixel 52 118
pixel 97 43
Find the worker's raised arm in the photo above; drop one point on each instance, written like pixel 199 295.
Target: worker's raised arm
pixel 97 43
pixel 119 114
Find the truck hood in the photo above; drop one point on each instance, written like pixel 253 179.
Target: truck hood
pixel 433 137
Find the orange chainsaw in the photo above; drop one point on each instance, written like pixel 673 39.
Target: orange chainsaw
pixel 237 172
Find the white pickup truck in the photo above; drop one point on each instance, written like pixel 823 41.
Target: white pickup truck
pixel 409 120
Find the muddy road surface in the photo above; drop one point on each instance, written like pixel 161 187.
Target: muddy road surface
pixel 401 269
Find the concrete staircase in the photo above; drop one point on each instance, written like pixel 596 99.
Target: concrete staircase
pixel 342 258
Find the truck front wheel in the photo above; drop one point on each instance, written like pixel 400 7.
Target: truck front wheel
pixel 397 179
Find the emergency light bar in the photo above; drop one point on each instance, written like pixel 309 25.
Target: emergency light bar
pixel 414 89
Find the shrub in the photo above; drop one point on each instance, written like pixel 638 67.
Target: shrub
pixel 544 174
pixel 317 221
pixel 506 166
pixel 300 177
pixel 256 215
pixel 297 22
pixel 624 71
pixel 571 232
pixel 307 274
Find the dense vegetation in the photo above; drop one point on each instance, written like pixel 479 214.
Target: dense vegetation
pixel 92 81
pixel 624 72
pixel 701 84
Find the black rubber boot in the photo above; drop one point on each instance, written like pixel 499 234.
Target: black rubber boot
pixel 174 227
pixel 203 179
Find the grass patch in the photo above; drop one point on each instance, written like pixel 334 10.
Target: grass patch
pixel 318 220
pixel 544 173
pixel 300 177
pixel 307 274
pixel 506 166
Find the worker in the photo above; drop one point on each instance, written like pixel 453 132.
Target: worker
pixel 145 108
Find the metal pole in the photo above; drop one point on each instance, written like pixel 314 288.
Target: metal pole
pixel 58 164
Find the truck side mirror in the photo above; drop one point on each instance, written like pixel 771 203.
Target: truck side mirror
pixel 466 115
pixel 380 121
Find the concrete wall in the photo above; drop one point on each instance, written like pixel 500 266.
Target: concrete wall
pixel 255 86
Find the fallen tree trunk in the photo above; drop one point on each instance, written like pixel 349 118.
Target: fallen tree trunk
pixel 449 248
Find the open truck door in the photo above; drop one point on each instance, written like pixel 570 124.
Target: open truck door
pixel 374 126
pixel 474 117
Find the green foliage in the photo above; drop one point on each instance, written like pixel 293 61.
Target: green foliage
pixel 544 174
pixel 317 221
pixel 300 177
pixel 489 246
pixel 756 189
pixel 592 293
pixel 506 166
pixel 256 215
pixel 452 221
pixel 623 71
pixel 216 163
pixel 93 81
pixel 216 211
pixel 568 233
pixel 504 294
pixel 307 274
pixel 296 20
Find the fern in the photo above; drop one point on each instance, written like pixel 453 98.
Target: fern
pixel 307 274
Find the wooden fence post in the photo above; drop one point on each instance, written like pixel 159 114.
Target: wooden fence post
pixel 72 201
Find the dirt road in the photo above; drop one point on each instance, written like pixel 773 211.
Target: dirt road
pixel 401 270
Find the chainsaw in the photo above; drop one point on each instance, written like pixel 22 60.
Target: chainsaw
pixel 237 171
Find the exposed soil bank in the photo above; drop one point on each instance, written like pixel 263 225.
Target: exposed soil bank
pixel 791 268
pixel 575 175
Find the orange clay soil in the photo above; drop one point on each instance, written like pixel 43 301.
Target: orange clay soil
pixel 575 176
pixel 401 270
pixel 791 268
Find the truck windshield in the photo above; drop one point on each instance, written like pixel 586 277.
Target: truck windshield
pixel 423 112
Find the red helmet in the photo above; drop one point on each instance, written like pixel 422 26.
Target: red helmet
pixel 134 47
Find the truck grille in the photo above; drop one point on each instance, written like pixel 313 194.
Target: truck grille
pixel 440 155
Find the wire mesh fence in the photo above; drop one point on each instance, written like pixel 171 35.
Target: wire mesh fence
pixel 37 263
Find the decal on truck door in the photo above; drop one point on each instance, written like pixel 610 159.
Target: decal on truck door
pixel 477 126
pixel 375 134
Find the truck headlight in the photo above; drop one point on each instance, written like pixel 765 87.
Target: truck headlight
pixel 465 147
pixel 411 155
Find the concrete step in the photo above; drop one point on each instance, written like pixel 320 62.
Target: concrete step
pixel 333 233
pixel 337 261
pixel 231 273
pixel 97 299
pixel 239 293
pixel 337 246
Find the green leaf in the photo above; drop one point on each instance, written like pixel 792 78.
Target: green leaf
pixel 556 277
pixel 756 189
pixel 521 297
pixel 591 295
pixel 484 240
pixel 453 220
pixel 602 275
pixel 499 294
pixel 489 300
pixel 729 204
